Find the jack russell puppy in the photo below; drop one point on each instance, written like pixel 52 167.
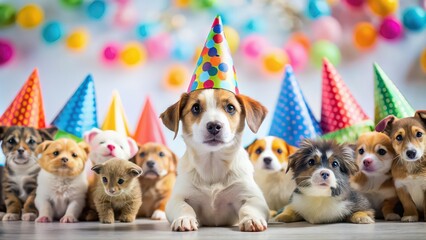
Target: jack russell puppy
pixel 215 184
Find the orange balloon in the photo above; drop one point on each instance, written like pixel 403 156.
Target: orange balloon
pixel 302 39
pixel 364 35
pixel 274 61
pixel 423 60
pixel 383 8
pixel 176 76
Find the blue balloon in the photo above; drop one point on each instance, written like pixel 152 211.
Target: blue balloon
pixel 182 51
pixel 317 8
pixel 254 25
pixel 146 30
pixel 52 32
pixel 414 18
pixel 96 9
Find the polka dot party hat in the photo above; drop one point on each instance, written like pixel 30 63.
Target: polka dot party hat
pixel 293 119
pixel 27 107
pixel 116 118
pixel 388 100
pixel 149 128
pixel 79 113
pixel 215 67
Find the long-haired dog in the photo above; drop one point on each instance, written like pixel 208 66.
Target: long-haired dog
pixel 323 195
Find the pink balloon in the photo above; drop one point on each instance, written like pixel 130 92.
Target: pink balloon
pixel 327 28
pixel 6 51
pixel 355 3
pixel 126 16
pixel 390 28
pixel 297 54
pixel 159 46
pixel 253 46
pixel 110 52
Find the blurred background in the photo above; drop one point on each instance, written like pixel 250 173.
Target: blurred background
pixel 145 47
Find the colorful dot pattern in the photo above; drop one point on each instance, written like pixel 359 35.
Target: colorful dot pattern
pixel 339 108
pixel 293 120
pixel 79 113
pixel 215 67
pixel 27 107
pixel 388 100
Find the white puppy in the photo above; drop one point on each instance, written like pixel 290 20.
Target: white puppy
pixel 215 185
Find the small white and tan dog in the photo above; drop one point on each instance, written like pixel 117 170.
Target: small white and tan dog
pixel 215 184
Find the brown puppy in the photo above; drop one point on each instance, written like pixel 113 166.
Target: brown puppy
pixel 159 166
pixel 408 136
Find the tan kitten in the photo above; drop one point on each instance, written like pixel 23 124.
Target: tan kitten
pixel 117 194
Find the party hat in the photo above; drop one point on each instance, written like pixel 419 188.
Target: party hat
pixel 388 100
pixel 27 107
pixel 293 119
pixel 215 67
pixel 116 118
pixel 79 113
pixel 149 128
pixel 342 118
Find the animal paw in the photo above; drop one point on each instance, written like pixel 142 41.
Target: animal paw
pixel 68 219
pixel 410 218
pixel 29 217
pixel 127 218
pixel 158 215
pixel 107 220
pixel 91 216
pixel 183 224
pixel 43 219
pixel 286 218
pixel 11 217
pixel 392 217
pixel 361 218
pixel 249 224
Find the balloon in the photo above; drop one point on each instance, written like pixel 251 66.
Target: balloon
pixel 77 40
pixel 253 46
pixel 181 3
pixel 72 3
pixel 133 54
pixel 176 76
pixel 301 38
pixel 383 8
pixel 30 16
pixel 357 4
pixel 274 61
pixel 297 54
pixel 6 51
pixel 364 35
pixel 52 31
pixel 232 37
pixel 324 49
pixel 204 4
pixel 147 29
pixel 332 2
pixel 110 52
pixel 254 25
pixel 182 51
pixel 126 16
pixel 390 28
pixel 159 46
pixel 317 8
pixel 327 28
pixel 7 14
pixel 423 60
pixel 96 9
pixel 414 18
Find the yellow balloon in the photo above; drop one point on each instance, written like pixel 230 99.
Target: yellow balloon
pixel 423 60
pixel 30 16
pixel 364 35
pixel 232 37
pixel 77 40
pixel 197 53
pixel 332 2
pixel 383 8
pixel 182 3
pixel 274 61
pixel 176 76
pixel 133 54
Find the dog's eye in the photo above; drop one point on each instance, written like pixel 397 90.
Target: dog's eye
pixel 381 152
pixel 279 151
pixel 399 138
pixel 196 109
pixel 101 142
pixel 311 162
pixel 31 141
pixel 11 141
pixel 142 154
pixel 104 179
pixel 259 151
pixel 419 134
pixel 74 155
pixel 121 147
pixel 161 154
pixel 120 181
pixel 55 153
pixel 335 164
pixel 230 109
pixel 361 151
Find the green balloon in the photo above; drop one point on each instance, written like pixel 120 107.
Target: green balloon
pixel 204 4
pixel 72 3
pixel 7 15
pixel 325 49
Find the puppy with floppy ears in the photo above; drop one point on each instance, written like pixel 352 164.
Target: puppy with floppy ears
pixel 408 136
pixel 215 184
pixel 62 181
pixel 159 166
pixel 374 156
pixel 269 156
pixel 322 169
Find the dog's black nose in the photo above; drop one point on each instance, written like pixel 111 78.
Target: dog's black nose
pixel 150 163
pixel 411 154
pixel 267 160
pixel 64 159
pixel 325 175
pixel 21 151
pixel 214 127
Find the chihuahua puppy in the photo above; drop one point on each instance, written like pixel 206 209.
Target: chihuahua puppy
pixel 408 136
pixel 117 192
pixel 323 195
pixel 159 175
pixel 62 181
pixel 374 156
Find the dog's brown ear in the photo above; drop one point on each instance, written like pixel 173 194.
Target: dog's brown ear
pixel 385 125
pixel 85 147
pixel 291 149
pixel 135 171
pixel 421 115
pixel 349 160
pixel 172 115
pixel 97 168
pixel 291 162
pixel 255 112
pixel 173 162
pixel 48 133
pixel 3 130
pixel 43 146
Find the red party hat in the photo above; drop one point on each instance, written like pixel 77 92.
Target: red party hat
pixel 27 107
pixel 339 108
pixel 149 128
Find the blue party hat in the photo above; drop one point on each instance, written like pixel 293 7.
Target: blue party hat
pixel 293 119
pixel 79 113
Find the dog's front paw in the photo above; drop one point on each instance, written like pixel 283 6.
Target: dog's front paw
pixel 91 215
pixel 107 220
pixel 127 218
pixel 361 218
pixel 183 224
pixel 68 219
pixel 158 215
pixel 43 219
pixel 392 217
pixel 249 224
pixel 11 217
pixel 414 218
pixel 29 217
